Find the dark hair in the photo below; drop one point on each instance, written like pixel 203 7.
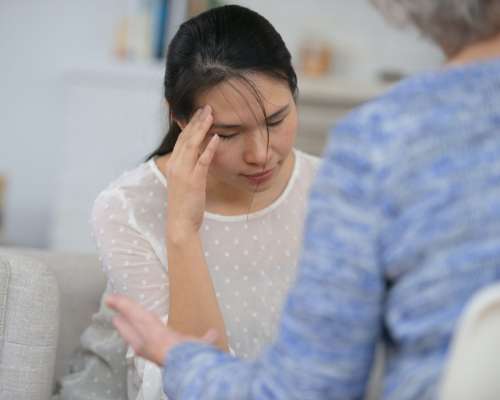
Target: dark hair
pixel 220 44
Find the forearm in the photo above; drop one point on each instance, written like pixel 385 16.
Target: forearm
pixel 193 304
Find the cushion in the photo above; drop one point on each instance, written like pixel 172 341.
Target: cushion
pixel 29 315
pixel 81 284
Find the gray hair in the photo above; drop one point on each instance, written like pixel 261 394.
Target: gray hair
pixel 452 24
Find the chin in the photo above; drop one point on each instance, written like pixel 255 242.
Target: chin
pixel 260 188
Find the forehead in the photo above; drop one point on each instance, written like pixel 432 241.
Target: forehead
pixel 234 100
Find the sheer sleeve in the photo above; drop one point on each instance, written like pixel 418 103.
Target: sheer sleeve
pixel 130 263
pixel 131 266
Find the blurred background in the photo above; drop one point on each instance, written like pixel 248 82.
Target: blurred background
pixel 81 93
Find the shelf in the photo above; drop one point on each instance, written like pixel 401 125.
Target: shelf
pixel 327 90
pixel 334 90
pixel 146 75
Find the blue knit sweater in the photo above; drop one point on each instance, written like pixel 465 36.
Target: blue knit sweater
pixel 403 227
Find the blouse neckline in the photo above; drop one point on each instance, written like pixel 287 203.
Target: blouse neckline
pixel 244 217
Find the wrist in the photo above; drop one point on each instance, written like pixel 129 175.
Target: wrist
pixel 178 236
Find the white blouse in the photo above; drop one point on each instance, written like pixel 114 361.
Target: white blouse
pixel 252 258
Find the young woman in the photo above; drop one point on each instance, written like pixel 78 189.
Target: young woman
pixel 206 233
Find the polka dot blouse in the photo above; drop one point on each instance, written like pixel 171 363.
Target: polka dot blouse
pixel 252 258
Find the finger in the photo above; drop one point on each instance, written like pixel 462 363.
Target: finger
pixel 201 126
pixel 201 168
pixel 128 333
pixel 182 136
pixel 117 302
pixel 187 146
pixel 210 337
pixel 135 314
pixel 197 126
pixel 195 135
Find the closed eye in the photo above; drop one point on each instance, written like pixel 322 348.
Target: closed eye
pixel 276 123
pixel 227 137
pixel 232 135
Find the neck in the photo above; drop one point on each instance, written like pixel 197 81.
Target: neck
pixel 480 51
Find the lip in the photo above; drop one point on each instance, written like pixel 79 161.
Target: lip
pixel 260 177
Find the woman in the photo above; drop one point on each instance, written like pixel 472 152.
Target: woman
pixel 403 229
pixel 206 233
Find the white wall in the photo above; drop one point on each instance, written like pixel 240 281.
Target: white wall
pixel 37 39
pixel 363 42
pixel 40 38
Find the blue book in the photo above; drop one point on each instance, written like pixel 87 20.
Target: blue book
pixel 160 28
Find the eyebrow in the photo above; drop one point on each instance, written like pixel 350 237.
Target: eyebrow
pixel 271 117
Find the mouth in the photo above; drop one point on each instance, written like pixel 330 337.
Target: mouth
pixel 260 177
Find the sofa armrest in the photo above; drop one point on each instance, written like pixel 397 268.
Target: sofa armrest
pixel 29 322
pixel 81 284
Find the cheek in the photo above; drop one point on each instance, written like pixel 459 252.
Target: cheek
pixel 286 136
pixel 293 127
pixel 217 159
pixel 220 163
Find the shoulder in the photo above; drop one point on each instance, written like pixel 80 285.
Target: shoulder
pixel 306 162
pixel 132 189
pixel 306 166
pixel 414 105
pixel 371 135
pixel 418 114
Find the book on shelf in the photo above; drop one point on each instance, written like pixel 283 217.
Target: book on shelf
pixel 148 26
pixel 160 28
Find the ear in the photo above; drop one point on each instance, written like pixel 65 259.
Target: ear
pixel 181 124
pixel 176 120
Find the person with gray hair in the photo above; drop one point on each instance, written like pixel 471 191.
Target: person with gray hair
pixel 452 24
pixel 403 229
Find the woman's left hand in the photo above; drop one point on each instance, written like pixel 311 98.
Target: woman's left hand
pixel 145 332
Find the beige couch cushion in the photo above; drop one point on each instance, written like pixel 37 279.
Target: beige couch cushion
pixel 29 312
pixel 81 284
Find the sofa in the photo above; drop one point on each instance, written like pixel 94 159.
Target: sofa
pixel 47 299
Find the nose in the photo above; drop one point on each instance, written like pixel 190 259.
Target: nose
pixel 256 148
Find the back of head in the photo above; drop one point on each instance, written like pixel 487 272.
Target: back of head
pixel 220 44
pixel 452 24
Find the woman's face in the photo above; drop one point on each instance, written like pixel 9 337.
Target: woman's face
pixel 246 158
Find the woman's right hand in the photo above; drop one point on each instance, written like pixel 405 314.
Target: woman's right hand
pixel 187 170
